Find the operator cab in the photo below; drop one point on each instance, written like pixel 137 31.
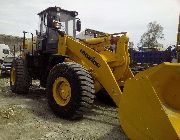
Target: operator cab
pixel 55 21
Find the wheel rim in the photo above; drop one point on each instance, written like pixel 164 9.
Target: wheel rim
pixel 13 75
pixel 61 91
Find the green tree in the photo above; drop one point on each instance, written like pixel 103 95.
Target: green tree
pixel 151 37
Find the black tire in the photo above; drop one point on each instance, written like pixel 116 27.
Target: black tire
pixel 2 75
pixel 43 82
pixel 23 79
pixel 105 98
pixel 82 90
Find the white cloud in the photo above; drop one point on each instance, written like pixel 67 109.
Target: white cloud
pixel 104 15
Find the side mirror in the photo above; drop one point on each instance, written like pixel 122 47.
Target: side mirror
pixel 37 33
pixel 78 25
pixel 45 19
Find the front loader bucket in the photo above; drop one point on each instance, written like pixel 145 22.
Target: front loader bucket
pixel 150 105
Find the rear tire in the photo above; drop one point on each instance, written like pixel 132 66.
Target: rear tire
pixel 2 75
pixel 43 82
pixel 82 90
pixel 20 80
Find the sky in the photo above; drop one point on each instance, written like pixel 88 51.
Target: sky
pixel 109 16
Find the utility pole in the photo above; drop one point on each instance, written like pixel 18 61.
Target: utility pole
pixel 14 51
pixel 32 43
pixel 24 39
pixel 178 42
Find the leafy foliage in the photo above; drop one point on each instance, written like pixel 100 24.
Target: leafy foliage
pixel 150 38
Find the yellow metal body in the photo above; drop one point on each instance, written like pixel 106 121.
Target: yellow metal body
pixel 109 70
pixel 27 48
pixel 149 106
pixel 61 91
pixel 13 76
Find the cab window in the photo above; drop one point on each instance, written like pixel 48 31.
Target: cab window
pixel 5 51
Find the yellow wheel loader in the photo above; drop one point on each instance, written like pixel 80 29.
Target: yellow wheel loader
pixel 74 70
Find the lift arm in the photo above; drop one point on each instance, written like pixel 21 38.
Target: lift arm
pixel 97 63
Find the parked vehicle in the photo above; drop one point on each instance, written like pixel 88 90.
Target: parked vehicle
pixel 6 66
pixel 4 52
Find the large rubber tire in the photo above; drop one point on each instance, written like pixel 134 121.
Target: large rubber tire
pixel 3 75
pixel 82 90
pixel 22 78
pixel 43 82
pixel 105 98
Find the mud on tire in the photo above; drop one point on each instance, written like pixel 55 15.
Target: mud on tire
pixel 82 90
pixel 22 77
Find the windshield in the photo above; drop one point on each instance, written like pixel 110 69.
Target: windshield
pixel 67 24
pixel 63 21
pixel 5 51
pixel 66 21
pixel 8 59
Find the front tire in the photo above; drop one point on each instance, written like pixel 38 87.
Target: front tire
pixel 20 80
pixel 105 98
pixel 70 90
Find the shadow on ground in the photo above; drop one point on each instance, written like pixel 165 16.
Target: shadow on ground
pixel 115 131
pixel 34 104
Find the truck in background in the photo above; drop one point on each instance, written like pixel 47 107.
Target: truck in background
pixel 6 66
pixel 4 52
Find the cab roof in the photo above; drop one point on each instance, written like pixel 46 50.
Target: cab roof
pixel 58 9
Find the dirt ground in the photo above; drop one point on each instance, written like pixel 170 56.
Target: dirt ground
pixel 28 117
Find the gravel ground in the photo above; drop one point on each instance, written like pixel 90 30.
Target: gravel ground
pixel 28 117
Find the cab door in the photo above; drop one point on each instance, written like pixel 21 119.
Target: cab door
pixel 52 41
pixel 52 34
pixel 42 34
